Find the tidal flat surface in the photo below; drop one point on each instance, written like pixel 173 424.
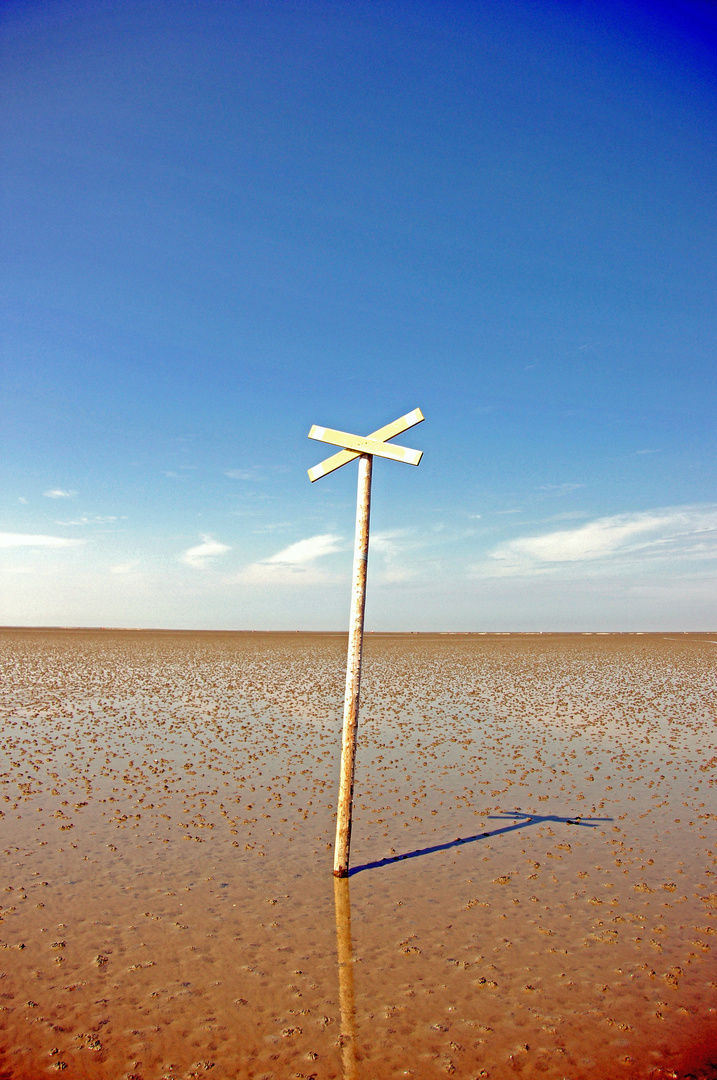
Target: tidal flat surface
pixel 534 857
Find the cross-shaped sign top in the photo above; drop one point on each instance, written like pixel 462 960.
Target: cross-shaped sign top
pixel 375 443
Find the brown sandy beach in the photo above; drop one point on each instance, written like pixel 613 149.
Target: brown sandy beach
pixel 534 857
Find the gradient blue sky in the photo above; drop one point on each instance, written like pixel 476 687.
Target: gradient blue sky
pixel 223 222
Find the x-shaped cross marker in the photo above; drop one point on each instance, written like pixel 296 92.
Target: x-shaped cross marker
pixel 375 443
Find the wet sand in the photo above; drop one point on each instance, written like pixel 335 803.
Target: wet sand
pixel 534 857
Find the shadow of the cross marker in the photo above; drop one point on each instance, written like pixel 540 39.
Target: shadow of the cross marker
pixel 519 821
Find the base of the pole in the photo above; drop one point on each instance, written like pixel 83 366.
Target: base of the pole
pixel 343 872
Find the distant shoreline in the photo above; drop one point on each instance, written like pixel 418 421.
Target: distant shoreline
pixel 369 633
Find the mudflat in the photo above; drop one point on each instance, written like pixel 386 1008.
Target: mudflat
pixel 534 857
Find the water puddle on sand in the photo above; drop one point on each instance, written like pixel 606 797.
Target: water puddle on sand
pixel 534 859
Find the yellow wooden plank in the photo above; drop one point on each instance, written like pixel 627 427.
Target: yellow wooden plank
pixel 389 431
pixel 366 446
pixel 402 424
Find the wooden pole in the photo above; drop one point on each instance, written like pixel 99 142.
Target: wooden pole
pixel 342 902
pixel 353 669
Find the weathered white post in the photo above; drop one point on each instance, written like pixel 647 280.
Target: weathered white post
pixel 364 449
pixel 353 669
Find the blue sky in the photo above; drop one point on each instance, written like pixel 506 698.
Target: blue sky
pixel 224 222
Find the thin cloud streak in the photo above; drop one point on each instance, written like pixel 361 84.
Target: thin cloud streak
pixel 241 474
pixel 99 519
pixel 304 551
pixel 295 564
pixel 395 568
pixel 560 489
pixel 15 540
pixel 125 567
pixel 200 555
pixel 676 533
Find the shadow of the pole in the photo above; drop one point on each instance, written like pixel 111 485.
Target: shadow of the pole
pixel 344 948
pixel 519 819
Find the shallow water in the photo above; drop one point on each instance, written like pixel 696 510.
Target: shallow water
pixel 533 884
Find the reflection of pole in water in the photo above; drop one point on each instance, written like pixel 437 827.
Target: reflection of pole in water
pixel 346 976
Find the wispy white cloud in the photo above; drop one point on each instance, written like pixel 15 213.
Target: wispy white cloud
pixel 394 556
pixel 560 489
pixel 688 532
pixel 125 567
pixel 567 515
pixel 200 555
pixel 98 519
pixel 590 541
pixel 59 493
pixel 15 540
pixel 274 527
pixel 385 542
pixel 305 551
pixel 293 565
pixel 241 474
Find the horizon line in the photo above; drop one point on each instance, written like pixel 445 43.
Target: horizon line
pixel 344 633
